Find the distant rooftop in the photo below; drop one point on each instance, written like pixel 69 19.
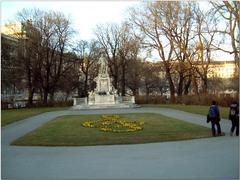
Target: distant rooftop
pixel 12 29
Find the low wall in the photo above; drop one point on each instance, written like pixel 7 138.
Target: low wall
pixel 78 101
pixel 110 99
pixel 128 99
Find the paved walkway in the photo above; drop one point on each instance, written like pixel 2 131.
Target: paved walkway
pixel 215 158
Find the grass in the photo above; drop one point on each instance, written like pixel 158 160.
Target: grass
pixel 203 110
pixel 68 131
pixel 13 115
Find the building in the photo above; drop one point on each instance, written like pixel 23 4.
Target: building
pixel 21 42
pixel 13 93
pixel 222 69
pixel 218 74
pixel 13 30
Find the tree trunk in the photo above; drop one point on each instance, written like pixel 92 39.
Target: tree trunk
pixel 79 91
pixel 186 86
pixel 52 95
pixel 147 93
pixel 66 96
pixel 195 86
pixel 123 88
pixel 135 93
pixel 171 85
pixel 180 85
pixel 41 94
pixel 115 84
pixel 86 85
pixel 30 96
pixel 205 85
pixel 45 96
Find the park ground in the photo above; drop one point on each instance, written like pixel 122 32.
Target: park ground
pixel 208 158
pixel 12 115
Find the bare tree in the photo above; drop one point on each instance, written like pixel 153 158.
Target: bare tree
pixel 46 38
pixel 206 25
pixel 69 82
pixel 133 76
pixel 149 22
pixel 56 31
pixel 129 48
pixel 230 12
pixel 88 54
pixel 179 31
pixel 150 77
pixel 29 46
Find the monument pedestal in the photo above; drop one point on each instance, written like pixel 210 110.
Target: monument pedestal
pixel 104 99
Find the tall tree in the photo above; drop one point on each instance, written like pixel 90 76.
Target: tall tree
pixel 150 77
pixel 29 41
pixel 88 53
pixel 45 41
pixel 178 30
pixel 206 25
pixel 133 76
pixel 129 49
pixel 149 22
pixel 56 32
pixel 230 12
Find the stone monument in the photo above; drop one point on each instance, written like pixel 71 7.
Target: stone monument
pixel 104 95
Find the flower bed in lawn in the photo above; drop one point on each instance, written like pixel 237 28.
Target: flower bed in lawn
pixel 78 130
pixel 113 123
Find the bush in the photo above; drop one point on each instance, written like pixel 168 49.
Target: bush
pixel 60 103
pixel 203 99
pixel 152 99
pixel 51 104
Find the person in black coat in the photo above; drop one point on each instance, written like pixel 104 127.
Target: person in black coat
pixel 234 117
pixel 214 117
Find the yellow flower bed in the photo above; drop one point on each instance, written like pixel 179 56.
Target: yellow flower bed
pixel 113 123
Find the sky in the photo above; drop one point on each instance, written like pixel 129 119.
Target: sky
pixel 85 15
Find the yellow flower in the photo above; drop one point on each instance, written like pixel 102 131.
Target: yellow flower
pixel 113 123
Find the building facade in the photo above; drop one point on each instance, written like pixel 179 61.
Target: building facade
pixel 222 69
pixel 13 91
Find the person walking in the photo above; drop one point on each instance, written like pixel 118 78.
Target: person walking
pixel 234 117
pixel 214 117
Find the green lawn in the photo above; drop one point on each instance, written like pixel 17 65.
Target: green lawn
pixel 68 131
pixel 12 115
pixel 203 110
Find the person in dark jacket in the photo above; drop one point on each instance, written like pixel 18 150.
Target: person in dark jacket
pixel 214 118
pixel 234 117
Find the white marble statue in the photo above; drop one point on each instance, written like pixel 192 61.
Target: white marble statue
pixel 103 66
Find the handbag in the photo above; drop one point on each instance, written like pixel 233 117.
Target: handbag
pixel 208 118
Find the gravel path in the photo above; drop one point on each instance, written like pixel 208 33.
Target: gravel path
pixel 215 158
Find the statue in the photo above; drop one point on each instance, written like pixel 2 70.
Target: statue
pixel 91 93
pixel 104 95
pixel 103 65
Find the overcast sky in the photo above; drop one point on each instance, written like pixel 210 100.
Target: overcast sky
pixel 85 15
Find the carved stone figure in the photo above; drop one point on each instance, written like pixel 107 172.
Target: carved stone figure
pixel 103 66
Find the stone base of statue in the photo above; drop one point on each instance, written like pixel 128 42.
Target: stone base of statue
pixel 101 99
pixel 104 95
pixel 103 102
